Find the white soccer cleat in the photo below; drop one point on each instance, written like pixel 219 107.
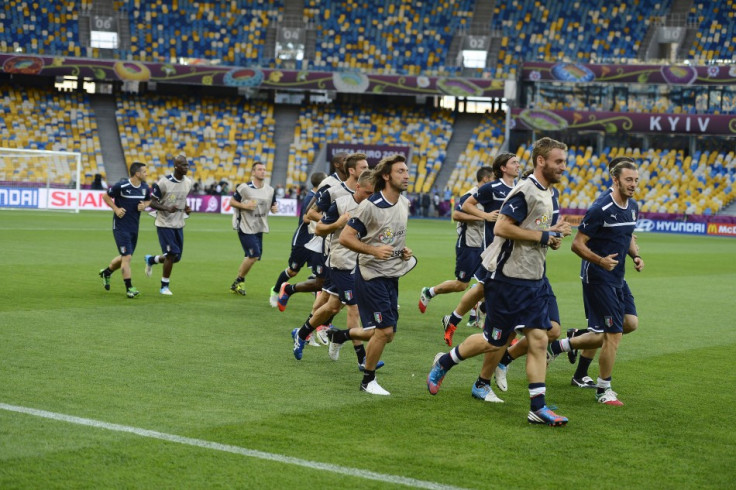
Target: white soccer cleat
pixel 500 376
pixel 334 350
pixel 273 299
pixel 492 397
pixel 320 335
pixel 374 388
pixel 166 291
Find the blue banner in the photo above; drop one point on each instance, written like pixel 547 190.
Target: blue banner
pixel 14 197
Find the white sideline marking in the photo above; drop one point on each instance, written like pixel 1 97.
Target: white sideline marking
pixel 370 475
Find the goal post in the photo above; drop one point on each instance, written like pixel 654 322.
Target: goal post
pixel 28 178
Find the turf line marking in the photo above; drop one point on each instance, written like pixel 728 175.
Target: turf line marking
pixel 344 470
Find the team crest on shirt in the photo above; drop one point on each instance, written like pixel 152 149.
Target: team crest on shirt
pixel 462 274
pixel 386 236
pixel 608 321
pixel 349 294
pixel 541 221
pixel 633 215
pixel 496 334
pixel 377 316
pixel 122 250
pixel 319 269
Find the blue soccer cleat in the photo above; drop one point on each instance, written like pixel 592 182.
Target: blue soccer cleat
pixel 546 416
pixel 298 344
pixel 436 375
pixel 361 367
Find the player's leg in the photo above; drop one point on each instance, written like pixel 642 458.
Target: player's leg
pixel 319 271
pixel 606 315
pixel 468 301
pixel 251 244
pixel 174 247
pixel 467 260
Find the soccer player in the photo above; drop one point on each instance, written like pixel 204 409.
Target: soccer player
pixel 490 196
pixel 377 232
pixel 300 255
pixel 251 203
pixel 127 199
pixel 603 239
pixel 481 389
pixel 341 290
pixel 514 292
pixel 581 379
pixel 319 270
pixel 468 247
pixel 169 199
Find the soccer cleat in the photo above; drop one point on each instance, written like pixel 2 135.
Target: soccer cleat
pixel 436 375
pixel 424 299
pixel 105 279
pixel 485 393
pixel 547 417
pixel 273 299
pixel 166 291
pixel 320 335
pixel 298 344
pixel 361 367
pixel 313 342
pixel 132 292
pixel 500 375
pixel 551 356
pixel 283 297
pixel 449 329
pixel 333 350
pixel 374 388
pixel 608 397
pixel 149 266
pixel 572 356
pixel 586 382
pixel 238 288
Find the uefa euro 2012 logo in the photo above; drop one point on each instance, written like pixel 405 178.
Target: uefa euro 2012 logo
pixel 386 236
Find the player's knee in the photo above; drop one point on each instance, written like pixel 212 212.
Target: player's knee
pixel 631 322
pixel 175 258
pixel 292 272
pixel 554 332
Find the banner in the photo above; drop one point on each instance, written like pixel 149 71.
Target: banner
pixel 374 153
pixel 535 71
pixel 722 229
pixel 613 122
pixel 14 197
pixel 249 77
pixel 662 226
pixel 287 207
pixel 70 199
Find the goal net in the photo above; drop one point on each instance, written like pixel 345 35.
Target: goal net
pixel 28 179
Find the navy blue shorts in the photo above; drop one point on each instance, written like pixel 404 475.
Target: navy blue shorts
pixel 342 285
pixel 467 260
pixel 299 256
pixel 377 301
pixel 171 240
pixel 481 274
pixel 552 309
pixel 606 307
pixel 125 241
pixel 513 307
pixel 319 269
pixel 252 244
pixel 629 305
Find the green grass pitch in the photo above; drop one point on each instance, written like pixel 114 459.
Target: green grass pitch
pixel 212 366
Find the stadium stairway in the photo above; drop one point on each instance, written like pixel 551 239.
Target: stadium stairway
pixel 462 131
pixel 286 117
pixel 113 158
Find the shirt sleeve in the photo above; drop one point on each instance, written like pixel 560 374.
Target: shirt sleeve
pixel 237 196
pixel 515 207
pixel 156 191
pixel 591 221
pixel 358 226
pixel 332 215
pixel 324 201
pixel 114 191
pixel 461 201
pixel 484 196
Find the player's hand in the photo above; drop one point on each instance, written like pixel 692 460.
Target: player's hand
pixel 562 227
pixel 188 210
pixel 384 252
pixel 120 212
pixel 406 253
pixel 638 264
pixel 554 243
pixel 609 262
pixel 141 206
pixel 492 216
pixel 275 208
pixel 172 209
pixel 343 219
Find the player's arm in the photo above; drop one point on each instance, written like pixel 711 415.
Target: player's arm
pixel 332 221
pixel 507 227
pixel 313 214
pixel 469 207
pixel 119 212
pixel 634 254
pixel 249 205
pixel 581 249
pixel 155 202
pixel 274 204
pixel 463 217
pixel 349 238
